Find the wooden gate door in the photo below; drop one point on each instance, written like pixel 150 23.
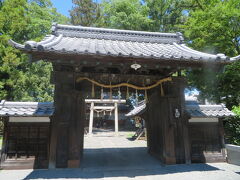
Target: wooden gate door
pixel 167 124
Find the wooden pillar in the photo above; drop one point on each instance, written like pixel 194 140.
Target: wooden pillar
pixel 159 128
pixel 52 144
pixel 67 122
pixel 5 139
pixel 186 139
pixel 167 124
pixel 91 118
pixel 116 117
pixel 221 136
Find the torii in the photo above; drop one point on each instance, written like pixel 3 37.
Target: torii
pixel 115 103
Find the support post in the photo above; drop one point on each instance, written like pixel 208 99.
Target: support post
pixel 3 153
pixel 221 134
pixel 116 117
pixel 67 122
pixel 91 118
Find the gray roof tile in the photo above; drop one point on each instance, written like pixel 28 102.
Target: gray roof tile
pixel 47 109
pixel 137 110
pixel 123 43
pixel 26 108
pixel 208 111
pixel 193 109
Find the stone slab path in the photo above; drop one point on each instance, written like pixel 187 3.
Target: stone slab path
pixel 107 156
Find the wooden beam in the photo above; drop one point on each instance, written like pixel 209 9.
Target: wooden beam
pixel 104 107
pixel 92 59
pixel 105 100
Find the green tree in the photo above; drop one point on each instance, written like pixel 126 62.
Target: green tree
pixel 229 85
pixel 192 5
pixel 166 14
pixel 85 13
pixel 214 27
pixel 126 14
pixel 23 20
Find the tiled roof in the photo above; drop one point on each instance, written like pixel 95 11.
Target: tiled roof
pixel 47 109
pixel 66 39
pixel 138 110
pixel 208 111
pixel 8 108
pixel 26 108
pixel 193 109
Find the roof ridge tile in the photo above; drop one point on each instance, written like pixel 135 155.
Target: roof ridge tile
pixel 106 33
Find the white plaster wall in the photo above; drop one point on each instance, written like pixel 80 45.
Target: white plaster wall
pixel 29 119
pixel 193 120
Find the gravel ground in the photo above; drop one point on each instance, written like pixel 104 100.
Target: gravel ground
pixel 107 156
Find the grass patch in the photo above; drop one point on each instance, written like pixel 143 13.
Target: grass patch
pixel 130 135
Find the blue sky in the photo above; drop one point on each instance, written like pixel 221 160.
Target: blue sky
pixel 63 6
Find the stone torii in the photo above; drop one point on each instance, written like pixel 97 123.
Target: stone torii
pixel 115 103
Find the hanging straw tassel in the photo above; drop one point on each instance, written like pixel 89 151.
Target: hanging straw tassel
pixel 162 92
pixel 146 96
pixel 119 93
pixel 101 93
pixel 127 95
pixel 137 96
pixel 136 93
pixel 93 92
pixel 110 91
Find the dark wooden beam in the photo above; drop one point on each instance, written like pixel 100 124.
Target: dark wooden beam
pixel 67 123
pixel 75 59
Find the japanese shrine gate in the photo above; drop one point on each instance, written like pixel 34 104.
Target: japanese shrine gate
pixel 115 103
pixel 109 57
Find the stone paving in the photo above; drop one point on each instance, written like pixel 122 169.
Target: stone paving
pixel 108 157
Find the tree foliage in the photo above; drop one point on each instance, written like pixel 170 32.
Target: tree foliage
pixel 147 15
pixel 23 20
pixel 85 13
pixel 165 14
pixel 214 27
pixel 229 85
pixel 125 14
pixel 232 127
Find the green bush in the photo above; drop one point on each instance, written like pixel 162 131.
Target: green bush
pixel 232 127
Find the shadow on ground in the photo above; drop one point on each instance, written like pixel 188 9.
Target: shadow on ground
pixel 117 162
